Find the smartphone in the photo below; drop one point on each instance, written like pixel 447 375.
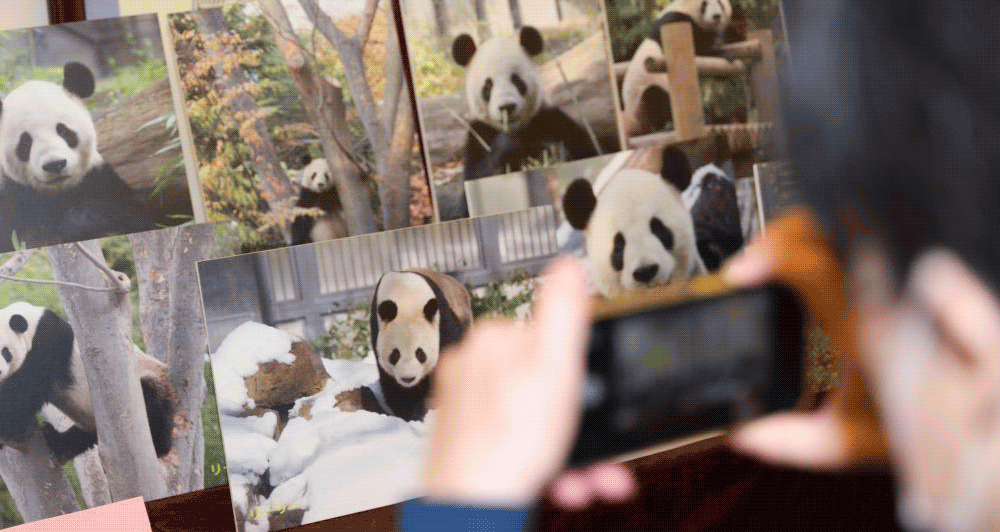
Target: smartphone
pixel 660 370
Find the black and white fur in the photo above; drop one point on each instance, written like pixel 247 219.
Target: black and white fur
pixel 41 364
pixel 638 230
pixel 318 190
pixel 645 94
pixel 415 315
pixel 56 187
pixel 509 111
pixel 711 199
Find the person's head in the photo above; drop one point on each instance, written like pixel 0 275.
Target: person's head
pixel 894 123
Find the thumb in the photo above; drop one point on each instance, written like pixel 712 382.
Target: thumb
pixel 813 440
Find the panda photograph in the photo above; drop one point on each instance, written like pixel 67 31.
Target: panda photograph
pixel 508 86
pixel 658 215
pixel 325 354
pixel 306 146
pixel 108 391
pixel 735 45
pixel 88 134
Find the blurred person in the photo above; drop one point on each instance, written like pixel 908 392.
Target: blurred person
pixel 894 124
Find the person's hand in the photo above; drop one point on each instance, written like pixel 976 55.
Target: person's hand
pixel 510 400
pixel 846 428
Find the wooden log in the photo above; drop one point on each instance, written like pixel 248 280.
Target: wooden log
pixel 734 62
pixel 707 67
pixel 685 91
pixel 764 80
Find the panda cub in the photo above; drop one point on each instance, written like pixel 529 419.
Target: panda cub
pixel 56 187
pixel 415 315
pixel 41 364
pixel 638 230
pixel 509 111
pixel 318 190
pixel 646 95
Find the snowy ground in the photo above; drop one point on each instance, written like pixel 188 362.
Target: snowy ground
pixel 334 463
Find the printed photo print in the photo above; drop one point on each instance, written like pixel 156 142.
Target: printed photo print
pixel 504 86
pixel 302 119
pixel 105 373
pixel 323 355
pixel 717 72
pixel 88 134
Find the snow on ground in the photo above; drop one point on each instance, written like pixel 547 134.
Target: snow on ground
pixel 333 463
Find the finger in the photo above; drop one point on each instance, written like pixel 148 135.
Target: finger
pixel 611 481
pixel 752 266
pixel 811 440
pixel 561 318
pixel 571 491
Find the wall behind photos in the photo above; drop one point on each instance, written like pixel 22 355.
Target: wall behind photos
pixel 23 13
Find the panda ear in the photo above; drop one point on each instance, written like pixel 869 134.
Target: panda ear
pixel 463 49
pixel 387 310
pixel 18 324
pixel 78 79
pixel 578 203
pixel 531 41
pixel 306 159
pixel 430 309
pixel 676 168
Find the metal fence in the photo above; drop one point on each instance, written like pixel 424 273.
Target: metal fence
pixel 302 288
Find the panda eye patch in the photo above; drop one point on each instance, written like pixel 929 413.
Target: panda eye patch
pixel 618 253
pixel 662 232
pixel 387 311
pixel 430 309
pixel 7 356
pixel 421 356
pixel 394 356
pixel 487 89
pixel 522 87
pixel 18 324
pixel 68 135
pixel 24 147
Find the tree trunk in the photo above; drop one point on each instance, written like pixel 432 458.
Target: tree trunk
pixel 101 325
pixel 38 489
pixel 324 104
pixel 172 323
pixel 394 188
pixel 482 24
pixel 515 13
pixel 440 18
pixel 253 128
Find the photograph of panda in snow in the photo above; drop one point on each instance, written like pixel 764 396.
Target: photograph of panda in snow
pixel 651 217
pixel 103 378
pixel 505 86
pixel 325 382
pixel 89 146
pixel 635 27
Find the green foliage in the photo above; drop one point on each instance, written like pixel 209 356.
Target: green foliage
pixel 42 295
pixel 435 72
pixel 215 457
pixel 9 516
pixel 503 298
pixel 349 338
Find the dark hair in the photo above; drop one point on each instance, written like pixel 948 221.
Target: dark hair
pixel 894 123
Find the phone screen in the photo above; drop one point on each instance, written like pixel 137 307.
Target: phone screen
pixel 673 371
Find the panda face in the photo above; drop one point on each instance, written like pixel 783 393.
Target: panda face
pixel 316 176
pixel 640 234
pixel 501 81
pixel 47 136
pixel 710 15
pixel 409 320
pixel 17 328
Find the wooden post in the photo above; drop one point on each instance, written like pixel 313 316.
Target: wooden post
pixel 685 92
pixel 764 80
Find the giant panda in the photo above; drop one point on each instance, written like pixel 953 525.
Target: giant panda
pixel 638 230
pixel 646 95
pixel 415 315
pixel 318 190
pixel 41 364
pixel 711 199
pixel 56 187
pixel 508 110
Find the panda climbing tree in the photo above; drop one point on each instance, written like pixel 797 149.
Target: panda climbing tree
pixel 72 377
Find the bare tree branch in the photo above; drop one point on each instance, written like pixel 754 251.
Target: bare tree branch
pixel 365 27
pixel 38 489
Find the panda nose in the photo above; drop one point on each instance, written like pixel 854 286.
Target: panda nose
pixel 54 167
pixel 508 108
pixel 717 17
pixel 645 274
